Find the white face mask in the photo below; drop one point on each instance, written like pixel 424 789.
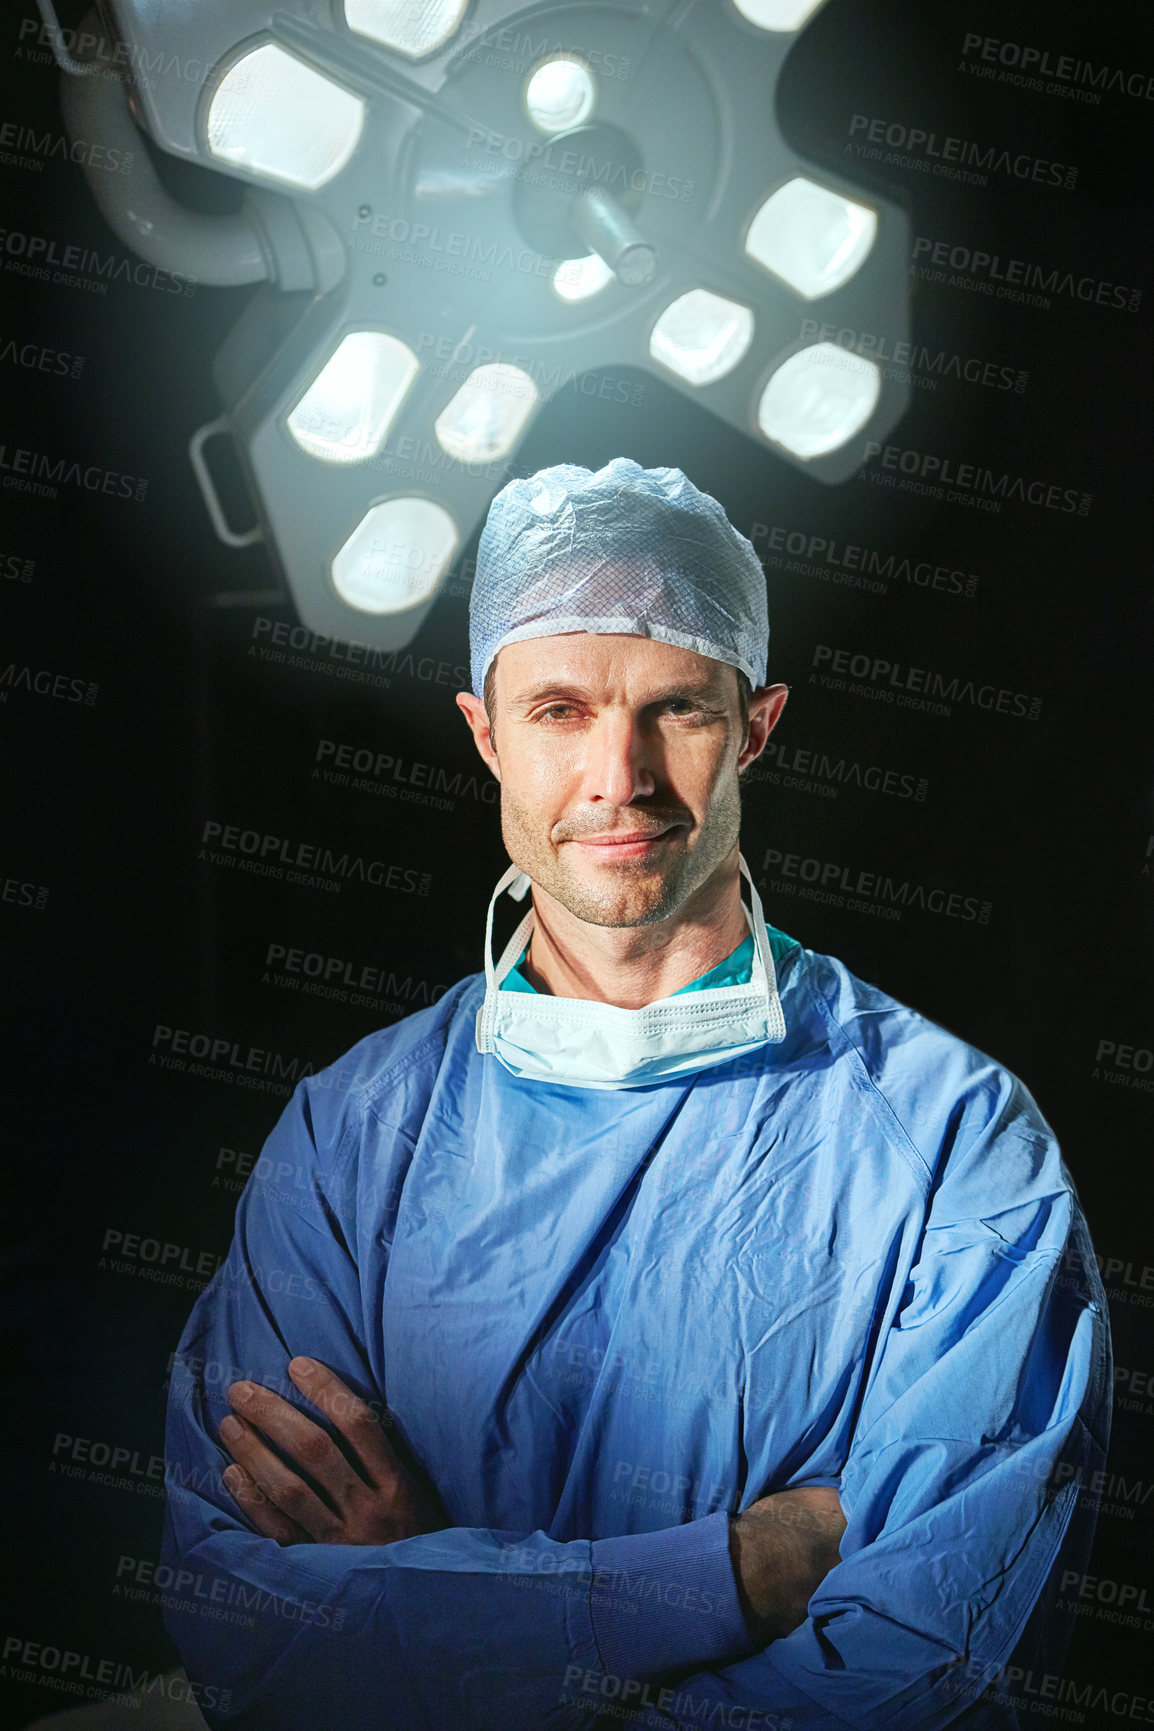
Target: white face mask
pixel 583 1044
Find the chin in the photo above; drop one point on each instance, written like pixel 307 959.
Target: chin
pixel 603 899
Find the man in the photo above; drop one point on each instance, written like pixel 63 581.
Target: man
pixel 667 1253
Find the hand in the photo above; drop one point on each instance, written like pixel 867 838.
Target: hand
pixel 782 1548
pixel 360 1494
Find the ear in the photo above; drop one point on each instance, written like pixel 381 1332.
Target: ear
pixel 765 707
pixel 477 718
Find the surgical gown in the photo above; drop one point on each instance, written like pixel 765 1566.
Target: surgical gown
pixel 603 1321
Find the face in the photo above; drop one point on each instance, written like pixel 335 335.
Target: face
pixel 618 759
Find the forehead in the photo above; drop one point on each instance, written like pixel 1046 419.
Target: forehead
pixel 605 661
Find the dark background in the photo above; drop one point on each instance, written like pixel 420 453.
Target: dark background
pixel 1049 821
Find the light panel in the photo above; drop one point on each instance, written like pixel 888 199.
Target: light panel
pixel 811 237
pixel 701 336
pixel 346 413
pixel 818 399
pixel 575 279
pixel 485 417
pixel 396 556
pixel 560 94
pixel 412 27
pixel 279 118
pixel 778 14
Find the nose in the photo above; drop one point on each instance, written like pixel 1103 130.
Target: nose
pixel 620 765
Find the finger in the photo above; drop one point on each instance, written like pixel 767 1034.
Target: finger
pixel 301 1438
pixel 352 1416
pixel 265 1517
pixel 278 1482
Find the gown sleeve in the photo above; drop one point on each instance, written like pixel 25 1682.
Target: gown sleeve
pixel 971 1478
pixel 468 1627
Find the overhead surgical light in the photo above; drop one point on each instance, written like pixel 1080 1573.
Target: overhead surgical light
pixel 701 336
pixel 817 399
pixel 575 279
pixel 346 412
pixel 396 556
pixel 447 213
pixel 277 117
pixel 412 27
pixel 485 418
pixel 813 239
pixel 560 94
pixel 783 15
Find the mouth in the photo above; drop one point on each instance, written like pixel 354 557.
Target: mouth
pixel 622 845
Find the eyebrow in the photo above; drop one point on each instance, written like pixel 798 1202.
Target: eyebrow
pixel 555 690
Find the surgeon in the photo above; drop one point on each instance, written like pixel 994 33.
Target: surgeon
pixel 666 1327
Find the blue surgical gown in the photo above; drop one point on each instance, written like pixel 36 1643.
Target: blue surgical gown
pixel 603 1321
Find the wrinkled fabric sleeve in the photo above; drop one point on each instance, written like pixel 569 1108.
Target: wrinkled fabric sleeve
pixel 466 1627
pixel 972 1474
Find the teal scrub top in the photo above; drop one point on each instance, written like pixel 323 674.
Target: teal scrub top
pixel 735 970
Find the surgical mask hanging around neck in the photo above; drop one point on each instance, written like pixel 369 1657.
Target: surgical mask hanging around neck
pixel 582 1044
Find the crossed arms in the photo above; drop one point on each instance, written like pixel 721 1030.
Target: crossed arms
pixel 328 1590
pixel 351 1488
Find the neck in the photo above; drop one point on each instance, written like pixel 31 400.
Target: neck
pixel 631 966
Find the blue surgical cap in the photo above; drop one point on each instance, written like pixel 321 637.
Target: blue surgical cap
pixel 622 549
